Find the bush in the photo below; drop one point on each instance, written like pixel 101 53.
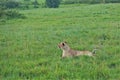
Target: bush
pixel 1 12
pixel 13 14
pixel 89 1
pixel 10 14
pixel 70 2
pixel 35 3
pixel 52 3
pixel 11 4
pixel 6 13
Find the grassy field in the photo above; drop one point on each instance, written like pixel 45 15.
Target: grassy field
pixel 28 47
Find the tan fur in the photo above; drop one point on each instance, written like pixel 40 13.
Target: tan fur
pixel 67 51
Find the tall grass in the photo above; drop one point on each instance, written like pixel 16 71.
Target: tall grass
pixel 28 47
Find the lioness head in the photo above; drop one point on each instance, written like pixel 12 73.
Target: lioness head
pixel 63 46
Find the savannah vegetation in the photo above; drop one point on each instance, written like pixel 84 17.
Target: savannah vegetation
pixel 28 45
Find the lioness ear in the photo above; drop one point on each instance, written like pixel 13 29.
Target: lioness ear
pixel 65 42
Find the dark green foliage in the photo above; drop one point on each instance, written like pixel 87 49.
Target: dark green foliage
pixel 21 4
pixel 9 14
pixel 12 4
pixel 9 4
pixel 90 1
pixel 112 1
pixel 35 3
pixel 70 1
pixel 6 12
pixel 52 3
pixel 14 14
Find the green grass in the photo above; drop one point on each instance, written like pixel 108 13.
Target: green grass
pixel 28 47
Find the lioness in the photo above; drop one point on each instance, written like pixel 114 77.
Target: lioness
pixel 67 51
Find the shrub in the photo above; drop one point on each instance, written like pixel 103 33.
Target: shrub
pixel 13 14
pixel 1 12
pixel 90 1
pixel 10 14
pixel 35 3
pixel 52 3
pixel 11 4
